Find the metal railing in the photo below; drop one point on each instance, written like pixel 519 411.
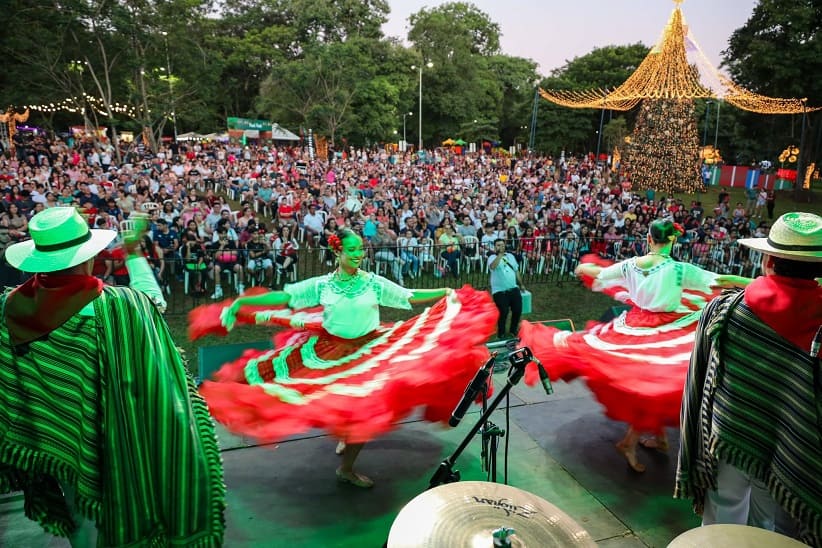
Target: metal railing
pixel 541 261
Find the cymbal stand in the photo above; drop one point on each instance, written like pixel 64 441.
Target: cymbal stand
pixel 490 434
pixel 519 359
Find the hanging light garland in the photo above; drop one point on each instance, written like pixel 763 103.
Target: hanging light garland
pixel 79 104
pixel 665 73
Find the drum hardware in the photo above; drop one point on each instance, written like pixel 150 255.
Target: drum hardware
pixel 477 513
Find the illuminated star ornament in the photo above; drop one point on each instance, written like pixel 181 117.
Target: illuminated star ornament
pixel 666 83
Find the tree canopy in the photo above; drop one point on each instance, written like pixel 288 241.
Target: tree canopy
pixel 328 66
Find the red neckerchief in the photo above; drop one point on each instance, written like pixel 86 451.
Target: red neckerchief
pixel 790 306
pixel 47 301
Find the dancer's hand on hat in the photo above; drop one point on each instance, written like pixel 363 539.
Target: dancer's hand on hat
pixel 228 317
pixel 140 225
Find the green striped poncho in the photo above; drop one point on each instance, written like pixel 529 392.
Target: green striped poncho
pixel 104 404
pixel 754 400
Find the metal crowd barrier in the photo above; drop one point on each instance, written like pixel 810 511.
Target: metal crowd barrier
pixel 546 262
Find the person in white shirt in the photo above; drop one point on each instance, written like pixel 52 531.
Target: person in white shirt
pixel 506 285
pixel 407 245
pixel 313 223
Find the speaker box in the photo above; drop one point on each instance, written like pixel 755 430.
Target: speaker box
pixel 613 312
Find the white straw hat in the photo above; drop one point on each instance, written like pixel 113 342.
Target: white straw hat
pixel 60 239
pixel 796 236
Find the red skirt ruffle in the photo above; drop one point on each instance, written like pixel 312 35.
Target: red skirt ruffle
pixel 635 365
pixel 355 389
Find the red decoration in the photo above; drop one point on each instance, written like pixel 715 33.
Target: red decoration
pixel 334 243
pixel 787 174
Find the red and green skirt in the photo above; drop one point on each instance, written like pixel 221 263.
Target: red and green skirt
pixel 356 389
pixel 635 365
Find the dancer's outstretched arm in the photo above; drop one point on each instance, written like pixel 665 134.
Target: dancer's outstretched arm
pixel 272 298
pixel 729 280
pixel 425 295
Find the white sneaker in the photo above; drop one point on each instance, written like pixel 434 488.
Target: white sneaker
pixel 240 289
pixel 218 293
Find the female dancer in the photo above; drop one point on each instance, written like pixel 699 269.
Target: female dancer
pixel 340 369
pixel 636 364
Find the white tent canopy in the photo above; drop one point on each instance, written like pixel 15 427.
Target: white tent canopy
pixel 279 133
pixel 190 136
pixel 221 137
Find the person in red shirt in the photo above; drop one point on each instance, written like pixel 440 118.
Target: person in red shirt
pixel 114 263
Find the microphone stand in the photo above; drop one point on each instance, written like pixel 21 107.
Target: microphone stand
pixel 519 359
pixel 490 434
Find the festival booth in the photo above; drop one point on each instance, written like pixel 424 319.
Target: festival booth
pixel 242 129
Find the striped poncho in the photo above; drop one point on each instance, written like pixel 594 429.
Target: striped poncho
pixel 104 404
pixel 754 400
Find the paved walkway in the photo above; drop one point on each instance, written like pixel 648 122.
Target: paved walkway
pixel 561 449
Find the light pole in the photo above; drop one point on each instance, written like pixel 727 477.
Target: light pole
pixel 429 64
pixel 708 104
pixel 404 141
pixel 170 86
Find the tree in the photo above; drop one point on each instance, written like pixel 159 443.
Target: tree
pixel 614 133
pixel 338 21
pixel 451 26
pixel 516 79
pixel 460 87
pixel 777 52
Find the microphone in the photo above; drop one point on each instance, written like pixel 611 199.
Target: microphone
pixel 544 379
pixel 472 390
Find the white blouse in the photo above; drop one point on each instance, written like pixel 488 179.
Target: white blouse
pixel 657 289
pixel 349 314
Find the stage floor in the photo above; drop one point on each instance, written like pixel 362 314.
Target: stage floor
pixel 561 449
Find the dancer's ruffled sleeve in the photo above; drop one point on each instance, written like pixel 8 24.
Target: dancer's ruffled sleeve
pixel 697 278
pixel 610 276
pixel 392 295
pixel 304 294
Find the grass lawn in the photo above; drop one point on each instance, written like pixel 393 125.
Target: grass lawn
pixel 549 301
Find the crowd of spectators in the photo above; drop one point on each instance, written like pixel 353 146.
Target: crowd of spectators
pixel 228 213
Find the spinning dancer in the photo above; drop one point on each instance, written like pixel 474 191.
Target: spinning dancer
pixel 100 425
pixel 636 364
pixel 340 369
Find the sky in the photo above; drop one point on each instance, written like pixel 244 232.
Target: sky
pixel 552 32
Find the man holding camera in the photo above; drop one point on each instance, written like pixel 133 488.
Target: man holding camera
pixel 506 284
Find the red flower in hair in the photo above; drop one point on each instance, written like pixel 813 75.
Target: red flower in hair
pixel 679 228
pixel 334 243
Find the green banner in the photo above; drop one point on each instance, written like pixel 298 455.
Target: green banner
pixel 247 123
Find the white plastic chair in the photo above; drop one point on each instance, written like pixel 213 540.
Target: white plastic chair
pixel 425 251
pixel 471 242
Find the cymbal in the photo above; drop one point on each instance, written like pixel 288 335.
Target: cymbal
pixel 738 536
pixel 466 514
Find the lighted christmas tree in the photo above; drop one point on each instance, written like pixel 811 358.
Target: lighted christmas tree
pixel 664 148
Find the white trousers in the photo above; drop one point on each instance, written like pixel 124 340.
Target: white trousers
pixel 742 500
pixel 85 535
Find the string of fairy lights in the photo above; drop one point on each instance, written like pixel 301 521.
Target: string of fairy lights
pixel 665 73
pixel 79 104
